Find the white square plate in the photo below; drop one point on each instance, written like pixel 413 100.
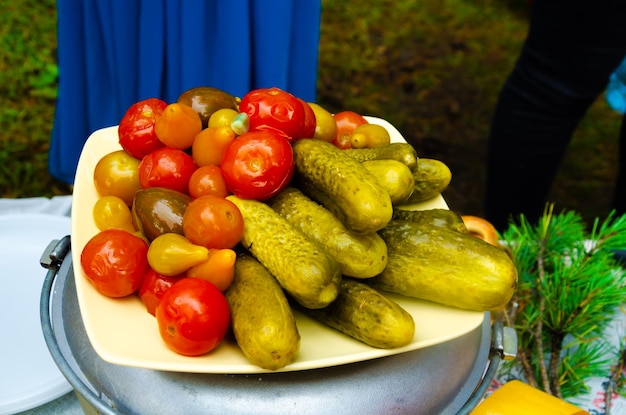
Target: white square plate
pixel 123 332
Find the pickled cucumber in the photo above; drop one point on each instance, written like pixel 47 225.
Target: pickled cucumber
pixel 448 267
pixel 402 152
pixel 261 317
pixel 342 185
pixel 301 266
pixel 367 315
pixel 358 255
pixel 437 217
pixel 431 178
pixel 394 176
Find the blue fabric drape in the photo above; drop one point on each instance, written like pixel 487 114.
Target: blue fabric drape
pixel 116 52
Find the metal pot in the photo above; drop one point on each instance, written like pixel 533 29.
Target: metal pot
pixel 448 378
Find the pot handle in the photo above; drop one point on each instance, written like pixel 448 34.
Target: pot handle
pixel 503 348
pixel 51 259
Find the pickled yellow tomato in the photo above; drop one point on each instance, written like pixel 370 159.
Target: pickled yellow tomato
pixel 112 212
pixel 222 117
pixel 117 174
pixel 370 136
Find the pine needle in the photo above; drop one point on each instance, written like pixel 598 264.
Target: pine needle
pixel 570 287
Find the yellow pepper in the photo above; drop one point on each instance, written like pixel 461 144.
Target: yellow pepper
pixel 172 254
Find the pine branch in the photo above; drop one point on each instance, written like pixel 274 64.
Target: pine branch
pixel 539 339
pixel 527 369
pixel 555 363
pixel 616 378
pixel 569 287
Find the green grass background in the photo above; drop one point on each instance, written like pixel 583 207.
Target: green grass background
pixel 433 68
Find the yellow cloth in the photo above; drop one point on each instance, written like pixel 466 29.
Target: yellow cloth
pixel 518 398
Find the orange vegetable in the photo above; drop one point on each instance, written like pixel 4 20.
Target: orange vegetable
pixel 208 180
pixel 209 145
pixel 177 126
pixel 218 269
pixel 481 228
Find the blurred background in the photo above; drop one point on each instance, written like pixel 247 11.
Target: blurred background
pixel 432 68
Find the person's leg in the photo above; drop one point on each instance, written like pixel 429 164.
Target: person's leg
pixel 564 65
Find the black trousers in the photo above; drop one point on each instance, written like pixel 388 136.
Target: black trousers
pixel 571 49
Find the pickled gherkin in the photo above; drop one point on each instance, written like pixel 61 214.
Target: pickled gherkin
pixel 261 317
